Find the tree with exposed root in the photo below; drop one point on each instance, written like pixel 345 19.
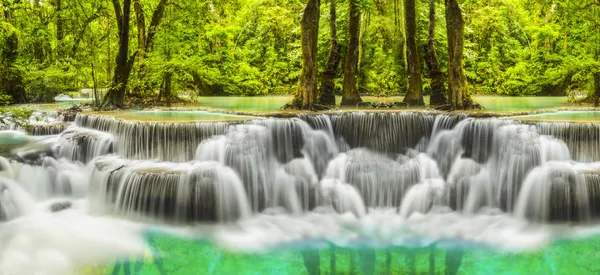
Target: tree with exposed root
pixel 351 96
pixel 458 90
pixel 124 63
pixel 414 96
pixel 438 93
pixel 326 94
pixel 306 93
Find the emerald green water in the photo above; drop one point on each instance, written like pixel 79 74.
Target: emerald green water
pixel 573 116
pixel 273 103
pixel 175 116
pixel 501 103
pixel 185 256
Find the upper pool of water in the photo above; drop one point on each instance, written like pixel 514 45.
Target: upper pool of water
pixel 571 116
pixel 274 103
pixel 176 116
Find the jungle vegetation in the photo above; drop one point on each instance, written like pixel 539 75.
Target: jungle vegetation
pixel 129 52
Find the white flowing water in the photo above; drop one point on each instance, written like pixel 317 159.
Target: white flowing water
pixel 383 179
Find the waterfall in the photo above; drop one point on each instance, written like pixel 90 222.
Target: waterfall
pixel 342 197
pixel 383 132
pixel 581 139
pixel 295 186
pixel 48 179
pixel 381 181
pixel 81 144
pixel 422 197
pixel 555 191
pixel 14 201
pixel 47 129
pixel 170 192
pixel 150 140
pixel 408 161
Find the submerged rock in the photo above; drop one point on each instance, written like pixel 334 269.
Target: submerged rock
pixel 69 114
pixel 60 206
pixel 399 104
pixel 364 104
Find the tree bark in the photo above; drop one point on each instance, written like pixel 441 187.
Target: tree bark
pixel 414 95
pixel 438 93
pixel 168 77
pixel 124 64
pixel 60 33
pixel 116 92
pixel 458 90
pixel 95 88
pixel 141 29
pixel 306 94
pixel 327 95
pixel 351 96
pixel 146 36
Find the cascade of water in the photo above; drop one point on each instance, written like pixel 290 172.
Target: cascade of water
pixel 483 162
pixel 446 122
pixel 295 186
pixel 477 136
pixel 171 192
pixel 320 148
pixel 380 180
pixel 318 122
pixel 592 181
pixel 480 192
pixel 255 151
pixel 6 169
pixel 47 129
pixel 384 132
pixel 342 197
pixel 50 178
pixel 286 137
pixel 444 148
pixel 422 197
pixel 81 144
pixel 285 192
pixel 149 140
pixel 555 191
pixel 14 201
pixel 581 138
pixel 468 184
pixel 516 150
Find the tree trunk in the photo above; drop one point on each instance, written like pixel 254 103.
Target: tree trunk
pixel 146 36
pixel 141 31
pixel 458 90
pixel 306 95
pixel 327 95
pixel 116 92
pixel 438 95
pixel 95 89
pixel 351 96
pixel 596 89
pixel 168 77
pixel 413 95
pixel 60 33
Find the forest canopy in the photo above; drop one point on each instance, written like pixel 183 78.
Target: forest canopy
pixel 155 48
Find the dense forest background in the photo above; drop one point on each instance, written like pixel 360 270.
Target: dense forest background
pixel 153 48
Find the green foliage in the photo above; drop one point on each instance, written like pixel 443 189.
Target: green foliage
pixel 43 84
pixel 19 118
pixel 252 47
